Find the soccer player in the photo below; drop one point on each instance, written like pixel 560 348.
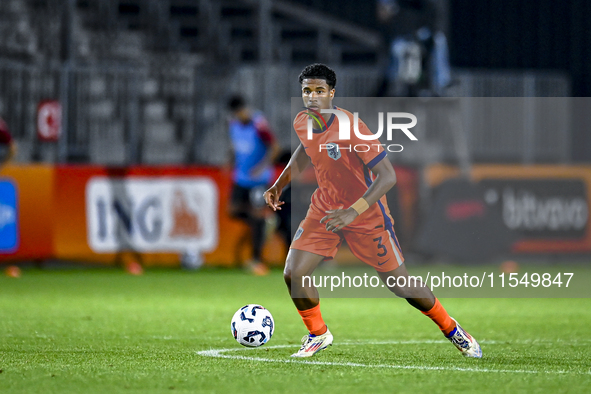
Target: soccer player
pixel 349 204
pixel 253 152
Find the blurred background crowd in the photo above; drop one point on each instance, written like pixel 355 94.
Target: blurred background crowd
pixel 121 83
pixel 146 81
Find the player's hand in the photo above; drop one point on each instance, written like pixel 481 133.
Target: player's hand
pixel 272 198
pixel 339 218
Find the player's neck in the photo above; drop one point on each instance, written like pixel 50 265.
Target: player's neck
pixel 326 117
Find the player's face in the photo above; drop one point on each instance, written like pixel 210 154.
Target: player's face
pixel 317 94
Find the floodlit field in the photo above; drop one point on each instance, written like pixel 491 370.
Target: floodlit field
pixel 103 331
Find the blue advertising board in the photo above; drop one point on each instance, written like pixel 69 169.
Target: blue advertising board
pixel 8 216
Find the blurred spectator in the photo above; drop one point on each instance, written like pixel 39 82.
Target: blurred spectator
pixel 7 144
pixel 418 53
pixel 253 152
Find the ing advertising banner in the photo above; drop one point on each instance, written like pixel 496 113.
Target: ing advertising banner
pixel 102 215
pixel 151 214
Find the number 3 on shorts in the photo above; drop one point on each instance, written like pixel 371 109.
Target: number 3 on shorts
pixel 381 247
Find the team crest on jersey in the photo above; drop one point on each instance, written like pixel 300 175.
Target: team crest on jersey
pixel 333 151
pixel 298 234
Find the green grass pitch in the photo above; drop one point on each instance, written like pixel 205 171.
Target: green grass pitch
pixel 102 331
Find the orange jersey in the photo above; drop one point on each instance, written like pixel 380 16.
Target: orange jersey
pixel 343 174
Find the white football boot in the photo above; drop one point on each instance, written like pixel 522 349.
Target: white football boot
pixel 312 344
pixel 464 342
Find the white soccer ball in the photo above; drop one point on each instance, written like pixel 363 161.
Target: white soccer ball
pixel 252 325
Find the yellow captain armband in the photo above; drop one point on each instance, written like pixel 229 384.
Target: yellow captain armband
pixel 360 206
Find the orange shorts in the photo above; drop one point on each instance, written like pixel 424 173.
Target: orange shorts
pixel 378 248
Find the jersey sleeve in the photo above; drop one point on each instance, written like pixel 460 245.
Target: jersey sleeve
pixel 264 130
pixel 374 154
pixel 299 125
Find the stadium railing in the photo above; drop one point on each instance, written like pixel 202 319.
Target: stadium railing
pixel 164 114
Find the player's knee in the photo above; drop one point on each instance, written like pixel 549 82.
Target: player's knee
pixel 287 276
pixel 293 276
pixel 299 272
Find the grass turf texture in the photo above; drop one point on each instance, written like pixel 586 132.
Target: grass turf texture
pixel 86 331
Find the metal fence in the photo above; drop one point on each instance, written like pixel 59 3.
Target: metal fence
pixel 112 115
pixel 542 136
pixel 170 113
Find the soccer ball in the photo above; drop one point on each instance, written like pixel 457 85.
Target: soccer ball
pixel 252 325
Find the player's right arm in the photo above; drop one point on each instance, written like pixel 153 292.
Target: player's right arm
pixel 298 162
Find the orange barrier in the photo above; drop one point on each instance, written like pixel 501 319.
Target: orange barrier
pixel 54 215
pixel 36 214
pixel 56 210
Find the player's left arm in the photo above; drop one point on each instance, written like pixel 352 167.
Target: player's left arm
pixel 385 180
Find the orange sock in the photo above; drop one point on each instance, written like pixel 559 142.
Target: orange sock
pixel 313 320
pixel 440 317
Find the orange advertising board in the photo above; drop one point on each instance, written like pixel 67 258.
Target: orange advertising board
pixel 60 212
pixel 72 194
pixel 34 211
pixel 70 213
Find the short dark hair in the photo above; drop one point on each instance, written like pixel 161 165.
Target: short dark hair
pixel 319 71
pixel 236 103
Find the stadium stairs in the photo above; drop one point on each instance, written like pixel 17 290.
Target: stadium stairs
pixel 156 55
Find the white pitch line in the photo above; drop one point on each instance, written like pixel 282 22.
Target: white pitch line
pixel 219 353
